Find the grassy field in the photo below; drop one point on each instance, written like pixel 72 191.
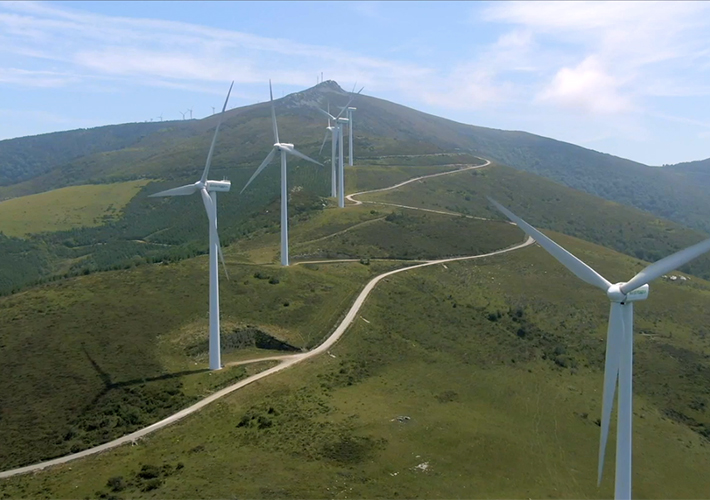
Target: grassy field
pixel 66 208
pixel 464 380
pixel 408 234
pixel 95 357
pixel 548 205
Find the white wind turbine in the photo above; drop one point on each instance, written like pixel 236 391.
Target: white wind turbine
pixel 285 149
pixel 340 121
pixel 349 117
pixel 333 155
pixel 208 190
pixel 619 342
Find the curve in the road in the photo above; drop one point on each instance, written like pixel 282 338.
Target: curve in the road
pixel 286 361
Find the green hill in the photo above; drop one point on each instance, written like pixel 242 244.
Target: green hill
pixel 476 379
pixel 25 158
pixel 175 150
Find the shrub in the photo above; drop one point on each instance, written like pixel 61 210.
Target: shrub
pixel 116 483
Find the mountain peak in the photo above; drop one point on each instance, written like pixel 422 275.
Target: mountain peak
pixel 314 95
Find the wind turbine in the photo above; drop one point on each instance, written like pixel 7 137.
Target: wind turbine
pixel 285 149
pixel 333 144
pixel 350 110
pixel 340 121
pixel 619 341
pixel 183 114
pixel 209 190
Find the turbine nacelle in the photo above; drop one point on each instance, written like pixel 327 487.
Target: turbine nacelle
pixel 616 295
pixel 222 186
pixel 285 146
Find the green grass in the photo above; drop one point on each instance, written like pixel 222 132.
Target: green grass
pixel 373 173
pixel 408 234
pixel 549 205
pixel 94 357
pixel 66 208
pixel 492 413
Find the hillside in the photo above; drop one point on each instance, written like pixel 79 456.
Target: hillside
pixel 25 158
pixel 697 172
pixel 176 151
pixel 459 381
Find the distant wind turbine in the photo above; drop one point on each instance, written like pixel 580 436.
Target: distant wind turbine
pixel 208 190
pixel 213 108
pixel 349 116
pixel 334 134
pixel 340 121
pixel 190 113
pixel 183 114
pixel 285 149
pixel 619 341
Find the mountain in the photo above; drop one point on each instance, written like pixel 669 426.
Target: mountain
pixel 695 172
pixel 25 158
pixel 175 149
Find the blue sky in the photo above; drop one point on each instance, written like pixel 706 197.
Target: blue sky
pixel 628 78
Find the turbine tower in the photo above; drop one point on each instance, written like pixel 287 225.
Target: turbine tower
pixel 285 149
pixel 333 156
pixel 340 121
pixel 619 342
pixel 208 190
pixel 350 134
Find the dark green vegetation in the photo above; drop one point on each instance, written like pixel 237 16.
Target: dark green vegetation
pixel 408 234
pixel 29 157
pixel 550 205
pixel 696 172
pixel 465 381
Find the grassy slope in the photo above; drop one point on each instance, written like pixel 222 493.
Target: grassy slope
pixel 80 348
pixel 550 205
pixel 66 208
pixel 492 413
pixel 120 327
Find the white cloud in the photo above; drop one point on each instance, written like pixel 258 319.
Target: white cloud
pixel 587 87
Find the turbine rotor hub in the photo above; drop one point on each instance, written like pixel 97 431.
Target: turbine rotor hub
pixel 616 295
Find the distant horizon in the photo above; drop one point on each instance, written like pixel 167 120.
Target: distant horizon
pixel 570 71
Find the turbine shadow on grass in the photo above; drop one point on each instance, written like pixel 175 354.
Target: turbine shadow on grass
pixel 109 385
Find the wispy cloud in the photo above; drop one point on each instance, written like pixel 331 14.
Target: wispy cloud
pixel 169 50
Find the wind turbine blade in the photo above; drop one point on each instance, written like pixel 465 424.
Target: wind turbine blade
pixel 212 217
pixel 214 138
pixel 207 201
pixel 579 268
pixel 178 191
pixel 666 265
pixel 294 152
pixel 348 104
pixel 273 115
pixel 320 151
pixel 221 257
pixel 611 372
pixel 330 117
pixel 263 165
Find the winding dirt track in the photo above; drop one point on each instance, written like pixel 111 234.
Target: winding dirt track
pixel 286 361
